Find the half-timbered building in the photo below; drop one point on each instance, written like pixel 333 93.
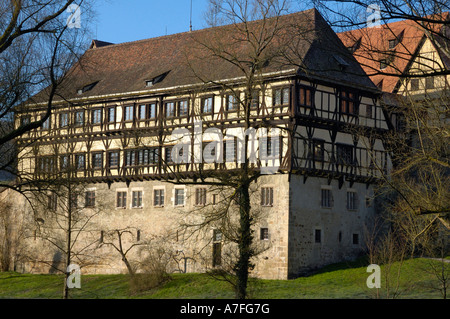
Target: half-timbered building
pixel 115 113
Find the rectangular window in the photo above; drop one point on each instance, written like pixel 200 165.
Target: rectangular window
pixel 215 199
pixel 25 120
pixel 153 155
pixel 230 150
pixel 152 110
pixel 111 114
pixel 142 112
pixel 183 108
pixel 355 239
pixel 79 118
pixel 170 109
pixel 231 103
pixel 414 86
pixel 267 196
pixel 168 155
pixel 281 96
pixel 63 119
pixel 97 160
pixel 96 116
pixel 264 234
pixel 255 99
pixel 121 200
pixel 317 236
pixel 318 149
pixel 352 202
pixel 80 161
pixel 136 199
pixel 179 196
pixel 305 96
pixel 113 159
pixel 46 124
pixel 130 158
pixel 129 113
pixel 326 199
pixel 158 197
pixel 90 199
pixel 64 162
pixel 52 201
pixel 348 103
pixel 344 154
pixel 207 105
pixel 46 164
pixel 200 196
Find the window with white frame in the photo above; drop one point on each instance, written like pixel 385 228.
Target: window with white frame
pixel 96 116
pixel 136 199
pixel 207 105
pixel 158 197
pixel 129 113
pixel 63 119
pixel 111 114
pixel 79 118
pixel 267 196
pixel 179 197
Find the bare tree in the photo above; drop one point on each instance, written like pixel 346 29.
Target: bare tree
pixel 37 46
pixel 389 51
pixel 115 239
pixel 246 48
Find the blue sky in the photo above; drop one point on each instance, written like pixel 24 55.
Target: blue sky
pixel 120 21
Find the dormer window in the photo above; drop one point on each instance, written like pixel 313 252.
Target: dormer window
pixel 393 43
pixel 355 46
pixel 342 63
pixel 87 87
pixel 156 79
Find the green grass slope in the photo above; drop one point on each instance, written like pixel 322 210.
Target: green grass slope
pixel 339 281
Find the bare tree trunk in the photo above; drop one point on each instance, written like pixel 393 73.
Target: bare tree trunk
pixel 68 243
pixel 245 242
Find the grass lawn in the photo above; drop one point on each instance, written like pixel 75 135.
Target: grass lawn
pixel 338 281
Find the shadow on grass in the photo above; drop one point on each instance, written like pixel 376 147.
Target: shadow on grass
pixel 359 262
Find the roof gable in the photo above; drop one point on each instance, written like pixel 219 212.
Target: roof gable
pixel 387 52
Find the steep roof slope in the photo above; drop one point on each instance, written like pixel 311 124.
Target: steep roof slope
pixel 301 42
pixel 386 52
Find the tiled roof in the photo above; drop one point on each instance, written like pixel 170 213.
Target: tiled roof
pixel 112 69
pixel 371 47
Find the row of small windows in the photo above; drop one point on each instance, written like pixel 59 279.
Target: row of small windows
pixel 352 200
pixel 171 109
pixel 200 198
pixel 318 237
pixel 142 157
